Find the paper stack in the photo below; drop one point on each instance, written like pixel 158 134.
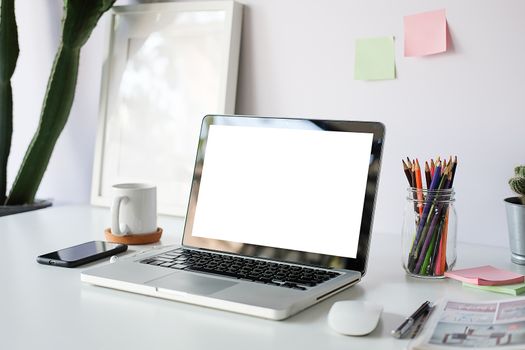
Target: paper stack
pixel 490 279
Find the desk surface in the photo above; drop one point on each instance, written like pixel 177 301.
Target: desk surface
pixel 45 307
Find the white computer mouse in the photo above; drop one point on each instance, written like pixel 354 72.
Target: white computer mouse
pixel 352 317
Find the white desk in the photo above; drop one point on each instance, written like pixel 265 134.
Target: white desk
pixel 45 307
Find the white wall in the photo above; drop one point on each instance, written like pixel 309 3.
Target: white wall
pixel 297 60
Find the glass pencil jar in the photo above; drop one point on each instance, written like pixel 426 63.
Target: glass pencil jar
pixel 429 232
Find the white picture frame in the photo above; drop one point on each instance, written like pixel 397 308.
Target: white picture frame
pixel 167 66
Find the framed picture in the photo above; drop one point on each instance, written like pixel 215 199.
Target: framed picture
pixel 168 65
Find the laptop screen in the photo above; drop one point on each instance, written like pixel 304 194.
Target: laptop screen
pixel 281 185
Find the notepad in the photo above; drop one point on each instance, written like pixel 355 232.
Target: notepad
pixel 512 289
pixel 485 276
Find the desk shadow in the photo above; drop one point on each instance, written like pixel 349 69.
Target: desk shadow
pixel 187 322
pixel 423 280
pixel 387 323
pixel 320 310
pixel 187 319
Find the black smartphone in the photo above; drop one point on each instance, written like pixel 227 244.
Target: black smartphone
pixel 81 254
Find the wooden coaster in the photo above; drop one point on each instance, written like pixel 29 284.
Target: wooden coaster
pixel 145 238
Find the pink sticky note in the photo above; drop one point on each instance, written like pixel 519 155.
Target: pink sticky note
pixel 425 33
pixel 485 276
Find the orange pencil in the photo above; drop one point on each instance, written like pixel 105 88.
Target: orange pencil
pixel 419 186
pixel 432 168
pixel 437 269
pixel 443 249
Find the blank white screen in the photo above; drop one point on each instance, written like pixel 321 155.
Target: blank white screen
pixel 285 188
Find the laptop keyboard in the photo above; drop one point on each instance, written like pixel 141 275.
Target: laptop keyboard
pixel 271 273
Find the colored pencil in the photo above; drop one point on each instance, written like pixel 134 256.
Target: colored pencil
pixel 440 259
pixel 449 179
pixel 406 169
pixel 413 169
pixel 430 242
pixel 454 165
pixel 427 174
pixel 411 172
pixel 414 184
pixel 419 187
pixel 444 237
pixel 437 267
pixel 435 250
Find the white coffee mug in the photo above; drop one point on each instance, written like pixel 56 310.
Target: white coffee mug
pixel 134 209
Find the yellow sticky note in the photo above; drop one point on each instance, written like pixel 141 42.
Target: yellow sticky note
pixel 374 59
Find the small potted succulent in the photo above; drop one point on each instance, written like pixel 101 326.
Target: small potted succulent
pixel 515 207
pixel 79 20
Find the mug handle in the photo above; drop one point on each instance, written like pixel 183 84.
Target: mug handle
pixel 115 214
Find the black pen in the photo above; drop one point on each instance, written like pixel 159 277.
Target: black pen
pixel 407 324
pixel 418 326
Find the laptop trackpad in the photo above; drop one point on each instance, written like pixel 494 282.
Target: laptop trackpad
pixel 190 283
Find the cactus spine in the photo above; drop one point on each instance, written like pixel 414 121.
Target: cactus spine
pixel 80 18
pixel 8 57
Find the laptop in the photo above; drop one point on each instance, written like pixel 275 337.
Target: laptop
pixel 279 218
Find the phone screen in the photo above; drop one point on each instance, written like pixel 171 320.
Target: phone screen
pixel 81 251
pixel 81 254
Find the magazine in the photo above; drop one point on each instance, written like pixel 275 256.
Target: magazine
pixel 475 325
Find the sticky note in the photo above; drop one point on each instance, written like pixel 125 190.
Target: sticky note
pixel 425 33
pixel 374 59
pixel 486 276
pixel 512 289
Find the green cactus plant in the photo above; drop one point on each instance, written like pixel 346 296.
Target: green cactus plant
pixel 8 57
pixel 79 20
pixel 517 183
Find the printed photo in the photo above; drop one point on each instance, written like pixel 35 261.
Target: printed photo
pixel 478 335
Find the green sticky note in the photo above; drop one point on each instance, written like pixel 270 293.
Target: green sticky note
pixel 512 289
pixel 374 59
